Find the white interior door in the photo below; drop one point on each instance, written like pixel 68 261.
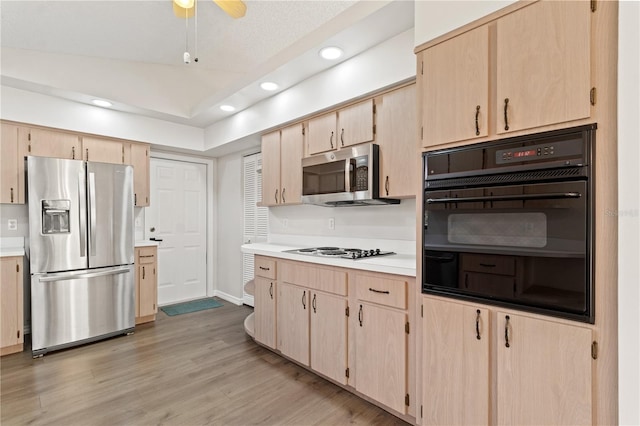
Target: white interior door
pixel 177 215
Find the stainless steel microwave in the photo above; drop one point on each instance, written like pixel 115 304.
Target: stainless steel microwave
pixel 347 177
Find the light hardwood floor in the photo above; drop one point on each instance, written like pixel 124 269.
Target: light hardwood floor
pixel 190 369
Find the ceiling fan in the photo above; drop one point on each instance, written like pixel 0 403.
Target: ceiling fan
pixel 186 8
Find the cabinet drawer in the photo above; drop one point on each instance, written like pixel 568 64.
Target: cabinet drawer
pixel 265 267
pixel 328 280
pixel 384 291
pixel 489 264
pixel 146 255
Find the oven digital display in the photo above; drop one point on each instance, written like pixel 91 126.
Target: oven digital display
pixel 529 153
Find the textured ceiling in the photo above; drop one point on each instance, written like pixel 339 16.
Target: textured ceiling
pixel 131 52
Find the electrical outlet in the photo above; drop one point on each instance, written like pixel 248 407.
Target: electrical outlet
pixel 285 223
pixel 12 225
pixel 331 223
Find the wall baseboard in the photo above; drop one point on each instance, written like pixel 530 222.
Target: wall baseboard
pixel 228 297
pixel 248 299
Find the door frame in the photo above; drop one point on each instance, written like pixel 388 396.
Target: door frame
pixel 211 211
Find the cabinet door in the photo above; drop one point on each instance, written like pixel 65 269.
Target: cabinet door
pixel 102 150
pixel 46 143
pixel 321 134
pixel 355 124
pixel 456 89
pixel 139 156
pixel 455 366
pixel 271 169
pixel 293 322
pixel 381 355
pixel 265 311
pixel 543 65
pixel 11 315
pixel 147 288
pixel 291 149
pixel 11 166
pixel 329 336
pixel 396 135
pixel 544 372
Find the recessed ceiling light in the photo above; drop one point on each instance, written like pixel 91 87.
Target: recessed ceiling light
pixel 101 103
pixel 268 86
pixel 227 108
pixel 331 52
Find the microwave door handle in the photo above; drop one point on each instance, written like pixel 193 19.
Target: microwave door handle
pixel 524 197
pixel 82 213
pixel 350 179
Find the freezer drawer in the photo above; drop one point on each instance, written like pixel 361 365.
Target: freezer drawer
pixel 77 307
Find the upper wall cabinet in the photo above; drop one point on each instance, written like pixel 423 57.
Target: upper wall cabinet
pixel 456 88
pixel 396 135
pixel 282 166
pixel 139 159
pixel 351 125
pixel 543 65
pixel 11 186
pixel 102 150
pixel 48 143
pixel 531 68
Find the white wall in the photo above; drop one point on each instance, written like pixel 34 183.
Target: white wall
pixel 629 212
pixel 230 217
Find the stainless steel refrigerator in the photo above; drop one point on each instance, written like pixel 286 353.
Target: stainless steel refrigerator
pixel 81 240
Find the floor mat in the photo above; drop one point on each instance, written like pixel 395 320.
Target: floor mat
pixel 188 307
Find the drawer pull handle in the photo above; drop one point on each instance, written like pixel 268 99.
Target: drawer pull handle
pixel 331 140
pixel 313 303
pixel 304 299
pixel 342 137
pixel 263 268
pixel 12 195
pixel 477 114
pixel 360 316
pixel 488 265
pixel 146 255
pixel 143 273
pixel 478 324
pixel 506 118
pixel 379 291
pixel 271 291
pixel 506 332
pixel 386 185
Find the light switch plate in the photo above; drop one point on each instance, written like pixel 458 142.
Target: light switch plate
pixel 12 225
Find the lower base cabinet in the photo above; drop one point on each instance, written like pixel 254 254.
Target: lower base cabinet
pixel 328 334
pixel 146 284
pixel 265 311
pixel 293 322
pixel 541 368
pixel 11 313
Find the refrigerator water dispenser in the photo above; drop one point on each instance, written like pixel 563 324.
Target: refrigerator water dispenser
pixel 55 216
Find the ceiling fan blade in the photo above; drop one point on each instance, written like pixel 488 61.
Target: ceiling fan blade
pixel 234 8
pixel 181 12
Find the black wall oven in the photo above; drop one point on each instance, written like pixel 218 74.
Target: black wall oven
pixel 510 223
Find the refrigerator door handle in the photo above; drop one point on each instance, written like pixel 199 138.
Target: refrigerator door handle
pixel 92 213
pixel 72 276
pixel 82 214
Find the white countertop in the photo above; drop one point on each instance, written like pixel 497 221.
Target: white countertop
pixel 146 243
pixel 11 247
pixel 400 264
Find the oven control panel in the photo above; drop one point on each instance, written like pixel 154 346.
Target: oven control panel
pixel 538 152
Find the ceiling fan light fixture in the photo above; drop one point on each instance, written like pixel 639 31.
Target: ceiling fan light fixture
pixel 185 4
pixel 102 103
pixel 269 86
pixel 227 108
pixel 330 52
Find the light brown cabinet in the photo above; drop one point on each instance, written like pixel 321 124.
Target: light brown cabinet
pixel 455 97
pixel 348 126
pixel 139 159
pixel 11 299
pixel 328 337
pixel 265 301
pixel 396 126
pixel 293 322
pixel 528 69
pixel 534 370
pixel 103 150
pixel 381 340
pixel 543 65
pixel 282 153
pixel 11 168
pixel 146 284
pixel 49 143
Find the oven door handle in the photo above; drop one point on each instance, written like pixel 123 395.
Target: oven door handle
pixel 524 197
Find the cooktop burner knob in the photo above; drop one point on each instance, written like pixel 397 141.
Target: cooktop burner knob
pixel 371 252
pixel 353 255
pixel 377 251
